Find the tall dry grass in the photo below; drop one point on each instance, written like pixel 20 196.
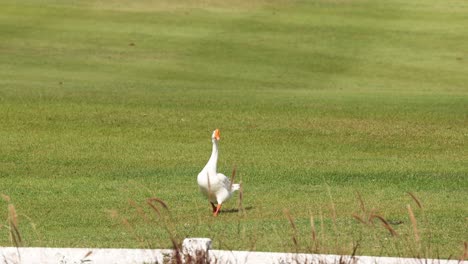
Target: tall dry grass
pixel 158 212
pixel 12 223
pixel 409 240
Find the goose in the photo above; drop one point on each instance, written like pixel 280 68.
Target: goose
pixel 215 186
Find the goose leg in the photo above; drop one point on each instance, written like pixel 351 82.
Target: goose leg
pixel 218 208
pixel 213 206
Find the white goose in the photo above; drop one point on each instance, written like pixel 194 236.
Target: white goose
pixel 215 186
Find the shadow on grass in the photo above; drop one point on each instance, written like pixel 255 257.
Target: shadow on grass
pixel 236 210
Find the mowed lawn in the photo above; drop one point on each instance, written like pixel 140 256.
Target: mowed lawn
pixel 104 104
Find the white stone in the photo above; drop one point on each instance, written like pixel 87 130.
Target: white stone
pixel 196 249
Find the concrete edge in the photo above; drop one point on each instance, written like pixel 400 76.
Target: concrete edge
pixel 36 255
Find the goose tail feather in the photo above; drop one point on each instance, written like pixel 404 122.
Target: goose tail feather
pixel 235 187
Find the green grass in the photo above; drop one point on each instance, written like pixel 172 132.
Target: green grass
pixel 102 102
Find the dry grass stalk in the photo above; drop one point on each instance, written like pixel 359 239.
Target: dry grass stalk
pixel 88 254
pixel 313 232
pixel 201 257
pixel 132 230
pixel 150 202
pixel 312 228
pixel 13 217
pixel 139 210
pixel 233 176
pixel 322 226
pixel 369 219
pixel 428 233
pixel 465 252
pixel 416 200
pixel 177 250
pixel 290 219
pixel 115 215
pixel 333 208
pixel 241 198
pixel 12 225
pixel 161 202
pixel 334 216
pixel 365 217
pixel 168 225
pixel 355 248
pixel 293 225
pixel 15 236
pixel 253 242
pixel 385 224
pixel 357 217
pixel 361 202
pixel 413 223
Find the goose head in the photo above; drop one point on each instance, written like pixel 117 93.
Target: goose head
pixel 215 137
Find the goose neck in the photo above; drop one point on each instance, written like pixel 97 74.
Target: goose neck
pixel 214 158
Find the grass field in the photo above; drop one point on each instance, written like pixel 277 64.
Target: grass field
pixel 104 104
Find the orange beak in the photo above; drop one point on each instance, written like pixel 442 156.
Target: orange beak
pixel 217 136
